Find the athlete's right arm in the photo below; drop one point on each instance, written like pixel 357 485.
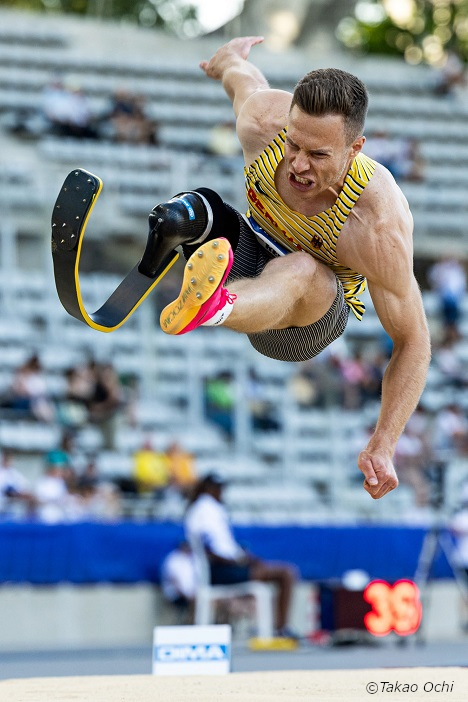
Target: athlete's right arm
pixel 239 77
pixel 260 111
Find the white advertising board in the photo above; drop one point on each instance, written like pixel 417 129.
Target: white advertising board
pixel 192 650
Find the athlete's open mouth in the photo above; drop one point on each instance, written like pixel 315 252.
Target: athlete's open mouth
pixel 299 180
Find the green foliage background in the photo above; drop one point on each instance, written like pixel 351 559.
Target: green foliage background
pixel 177 18
pixel 433 28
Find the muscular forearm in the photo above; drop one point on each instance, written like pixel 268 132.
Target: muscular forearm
pixel 239 77
pixel 402 386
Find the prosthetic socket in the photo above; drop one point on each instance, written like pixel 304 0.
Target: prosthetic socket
pixel 186 218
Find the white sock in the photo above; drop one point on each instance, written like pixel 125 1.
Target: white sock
pixel 220 316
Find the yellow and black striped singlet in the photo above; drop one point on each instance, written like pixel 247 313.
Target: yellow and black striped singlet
pixel 318 235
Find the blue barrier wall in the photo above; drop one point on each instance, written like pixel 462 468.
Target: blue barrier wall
pixel 128 553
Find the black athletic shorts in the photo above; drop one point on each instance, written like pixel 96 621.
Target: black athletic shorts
pixel 227 574
pixel 293 343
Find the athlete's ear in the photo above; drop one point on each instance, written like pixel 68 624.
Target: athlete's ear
pixel 357 145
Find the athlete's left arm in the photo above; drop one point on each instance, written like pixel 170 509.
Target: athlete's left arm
pixel 388 266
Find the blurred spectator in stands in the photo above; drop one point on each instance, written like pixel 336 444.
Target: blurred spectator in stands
pixel 304 386
pixel 182 477
pixel 379 145
pixel 131 386
pixel 208 521
pixel 372 387
pixel 65 456
pixel 450 432
pixel 106 401
pixel 67 111
pixel 224 145
pixel 29 393
pixel 151 470
pixel 362 379
pixel 219 396
pixel 98 498
pixel 52 495
pixel 451 75
pixel 263 412
pixel 126 120
pixel 90 470
pixel 15 489
pixel 400 155
pixel 178 581
pixel 413 456
pixel 450 362
pixel 447 277
pixel 94 500
pixel 329 373
pixel 318 382
pixel 72 409
pixel 458 525
pixel 181 463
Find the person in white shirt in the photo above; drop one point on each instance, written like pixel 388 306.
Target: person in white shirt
pixel 14 487
pixel 447 278
pixel 208 520
pixel 459 528
pixel 52 495
pixel 178 578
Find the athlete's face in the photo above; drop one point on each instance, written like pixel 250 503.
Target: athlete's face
pixel 316 153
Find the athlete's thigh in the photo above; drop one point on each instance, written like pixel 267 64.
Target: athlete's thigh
pixel 307 284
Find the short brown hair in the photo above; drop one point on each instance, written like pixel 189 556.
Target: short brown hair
pixel 331 91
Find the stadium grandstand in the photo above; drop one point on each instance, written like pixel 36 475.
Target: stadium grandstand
pixel 285 435
pixel 185 106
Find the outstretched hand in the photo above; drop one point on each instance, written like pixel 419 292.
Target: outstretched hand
pixel 239 47
pixel 379 473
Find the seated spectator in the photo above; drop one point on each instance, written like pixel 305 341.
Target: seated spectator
pixel 15 489
pixel 447 277
pixel 66 457
pixel 126 120
pixel 106 401
pixel 450 432
pixel 151 470
pixel 219 399
pixel 181 468
pixel 327 374
pixel 225 146
pixel 263 412
pixel 68 112
pixel 361 378
pixel 207 519
pixel 94 500
pixel 72 409
pixel 29 393
pixel 304 386
pixel 450 362
pixel 178 581
pixel 458 525
pixel 413 457
pixel 451 75
pixel 52 495
pixel 400 156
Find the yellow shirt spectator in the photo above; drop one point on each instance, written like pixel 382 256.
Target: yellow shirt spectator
pixel 151 469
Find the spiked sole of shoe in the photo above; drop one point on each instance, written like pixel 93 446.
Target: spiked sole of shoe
pixel 203 274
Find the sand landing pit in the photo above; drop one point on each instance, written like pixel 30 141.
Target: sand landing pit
pixel 429 684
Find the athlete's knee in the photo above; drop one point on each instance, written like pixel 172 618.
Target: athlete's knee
pixel 309 271
pixel 302 269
